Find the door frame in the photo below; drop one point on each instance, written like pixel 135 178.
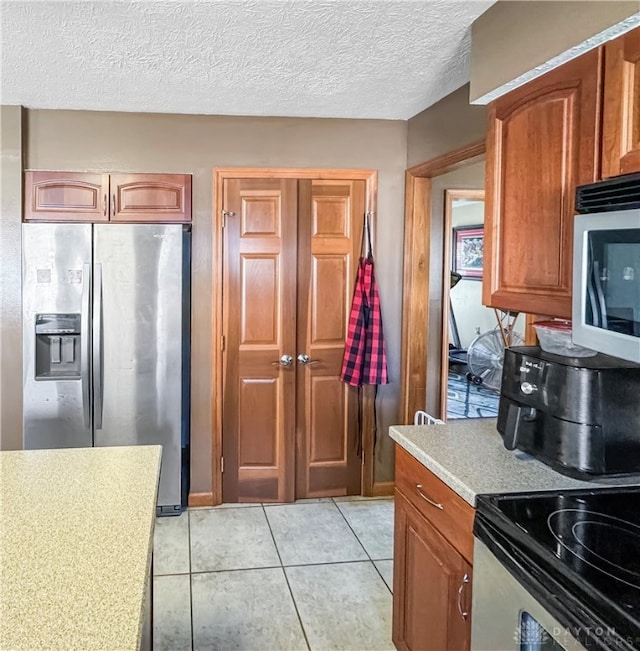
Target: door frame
pixel 415 295
pixel 220 174
pixel 449 196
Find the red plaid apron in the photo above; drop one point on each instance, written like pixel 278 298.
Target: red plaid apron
pixel 365 357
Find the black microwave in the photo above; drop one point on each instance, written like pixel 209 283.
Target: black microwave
pixel 606 267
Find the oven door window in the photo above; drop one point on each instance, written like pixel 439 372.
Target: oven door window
pixel 613 282
pixel 534 637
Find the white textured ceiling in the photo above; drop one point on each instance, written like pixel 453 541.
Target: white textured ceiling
pixel 387 59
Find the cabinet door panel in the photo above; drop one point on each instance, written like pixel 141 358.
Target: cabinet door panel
pixel 621 117
pixel 541 144
pixel 66 196
pixel 431 586
pixel 151 197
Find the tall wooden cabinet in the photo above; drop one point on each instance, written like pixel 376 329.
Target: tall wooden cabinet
pixel 621 112
pixel 95 197
pixel 433 548
pixel 542 141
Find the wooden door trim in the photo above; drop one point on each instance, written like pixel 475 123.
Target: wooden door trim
pixel 449 162
pixel 201 499
pixel 220 174
pixel 449 197
pixel 415 297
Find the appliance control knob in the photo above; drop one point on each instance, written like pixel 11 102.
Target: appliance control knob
pixel 527 388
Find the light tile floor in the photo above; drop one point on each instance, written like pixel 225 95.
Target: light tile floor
pixel 313 575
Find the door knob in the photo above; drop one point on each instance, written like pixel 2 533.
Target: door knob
pixel 303 358
pixel 285 360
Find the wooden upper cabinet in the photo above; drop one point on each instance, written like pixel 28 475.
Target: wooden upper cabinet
pixel 89 197
pixel 621 111
pixel 542 141
pixel 66 196
pixel 150 197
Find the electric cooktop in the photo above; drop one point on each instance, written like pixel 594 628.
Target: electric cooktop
pixel 583 550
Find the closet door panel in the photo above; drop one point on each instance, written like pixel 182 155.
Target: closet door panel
pixel 259 325
pixel 329 238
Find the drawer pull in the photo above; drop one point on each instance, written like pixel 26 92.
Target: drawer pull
pixel 428 499
pixel 463 613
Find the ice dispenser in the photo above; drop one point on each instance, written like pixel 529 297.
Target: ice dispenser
pixel 57 346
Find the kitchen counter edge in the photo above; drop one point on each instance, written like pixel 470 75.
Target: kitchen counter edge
pixel 469 456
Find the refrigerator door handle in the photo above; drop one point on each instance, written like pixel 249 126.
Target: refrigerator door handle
pixel 98 383
pixel 84 345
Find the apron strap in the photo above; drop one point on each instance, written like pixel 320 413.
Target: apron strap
pixel 366 236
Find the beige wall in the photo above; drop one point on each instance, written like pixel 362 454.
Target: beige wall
pixel 10 278
pixel 449 124
pixel 511 38
pixel 78 140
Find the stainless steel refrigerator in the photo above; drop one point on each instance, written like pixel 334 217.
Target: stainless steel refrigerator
pixel 106 341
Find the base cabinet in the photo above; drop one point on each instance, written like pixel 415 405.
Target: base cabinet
pixel 433 550
pixel 431 587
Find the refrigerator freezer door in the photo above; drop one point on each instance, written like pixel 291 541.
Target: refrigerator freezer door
pixel 56 282
pixel 137 327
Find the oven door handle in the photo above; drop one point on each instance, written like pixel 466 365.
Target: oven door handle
pixel 463 613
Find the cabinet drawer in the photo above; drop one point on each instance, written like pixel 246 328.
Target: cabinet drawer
pixel 442 506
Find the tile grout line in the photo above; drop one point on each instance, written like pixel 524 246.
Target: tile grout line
pixel 352 531
pixel 286 578
pixel 190 579
pixel 363 547
pixel 271 567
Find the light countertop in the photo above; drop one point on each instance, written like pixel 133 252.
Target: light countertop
pixel 469 456
pixel 76 535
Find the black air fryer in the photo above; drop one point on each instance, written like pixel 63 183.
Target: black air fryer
pixel 580 415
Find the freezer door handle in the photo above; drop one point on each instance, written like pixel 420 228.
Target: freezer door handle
pixel 98 354
pixel 85 339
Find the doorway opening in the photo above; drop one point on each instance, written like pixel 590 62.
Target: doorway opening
pixel 421 357
pixel 472 342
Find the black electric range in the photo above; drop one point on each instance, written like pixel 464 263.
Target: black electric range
pixel 577 553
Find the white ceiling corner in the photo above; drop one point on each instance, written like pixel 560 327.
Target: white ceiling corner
pixel 382 59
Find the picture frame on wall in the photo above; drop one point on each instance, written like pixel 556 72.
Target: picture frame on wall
pixel 468 251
